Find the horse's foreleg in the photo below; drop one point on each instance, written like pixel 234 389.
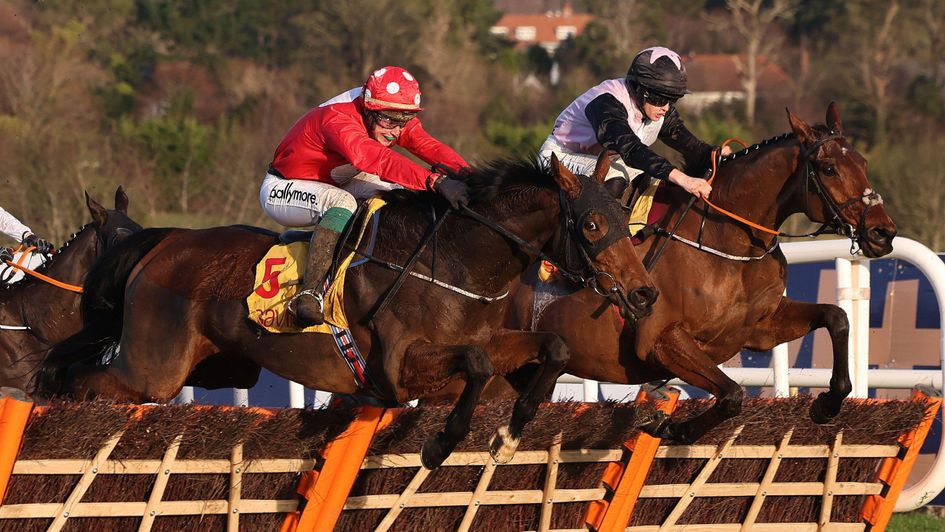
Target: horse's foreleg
pixel 676 352
pixel 794 319
pixel 473 362
pixel 517 349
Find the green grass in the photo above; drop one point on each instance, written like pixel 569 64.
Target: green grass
pixel 916 522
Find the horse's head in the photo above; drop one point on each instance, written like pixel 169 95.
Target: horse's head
pixel 111 226
pixel 594 240
pixel 837 189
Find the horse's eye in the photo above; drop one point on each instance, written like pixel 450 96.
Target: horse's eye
pixel 590 225
pixel 828 169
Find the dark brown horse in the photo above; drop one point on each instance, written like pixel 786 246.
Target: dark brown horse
pixel 184 301
pixel 727 296
pixel 49 313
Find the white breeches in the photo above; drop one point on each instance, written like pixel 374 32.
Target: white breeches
pixel 302 202
pixel 583 163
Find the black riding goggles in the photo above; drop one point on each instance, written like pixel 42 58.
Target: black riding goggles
pixel 658 100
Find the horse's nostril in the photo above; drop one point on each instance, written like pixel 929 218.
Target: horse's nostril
pixel 881 235
pixel 643 297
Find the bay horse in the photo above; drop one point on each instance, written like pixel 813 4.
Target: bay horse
pixel 171 299
pixel 36 314
pixel 722 282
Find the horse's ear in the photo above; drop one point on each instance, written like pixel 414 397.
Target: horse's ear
pixel 99 214
pixel 805 134
pixel 565 178
pixel 603 167
pixel 121 200
pixel 833 118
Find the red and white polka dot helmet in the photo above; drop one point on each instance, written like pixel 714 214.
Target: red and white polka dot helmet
pixel 392 88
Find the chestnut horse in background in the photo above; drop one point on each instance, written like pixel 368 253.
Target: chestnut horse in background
pixel 171 299
pixel 49 313
pixel 728 294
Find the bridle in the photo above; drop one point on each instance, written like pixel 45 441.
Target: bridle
pixel 585 274
pixel 869 197
pixel 834 225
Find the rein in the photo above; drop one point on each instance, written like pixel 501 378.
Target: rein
pixel 587 282
pixel 835 225
pixel 522 243
pixel 42 277
pixel 404 271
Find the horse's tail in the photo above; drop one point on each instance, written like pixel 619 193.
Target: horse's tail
pixel 103 299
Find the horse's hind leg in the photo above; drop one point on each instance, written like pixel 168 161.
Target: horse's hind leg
pixel 517 349
pixel 91 382
pixel 794 319
pixel 151 366
pixel 431 364
pixel 676 352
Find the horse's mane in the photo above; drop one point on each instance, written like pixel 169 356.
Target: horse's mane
pixel 755 147
pixel 485 182
pixel 72 237
pixel 819 128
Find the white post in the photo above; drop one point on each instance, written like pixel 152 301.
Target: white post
pixel 782 380
pixel 185 396
pixel 845 302
pixel 781 363
pixel 296 395
pixel 240 397
pixel 860 327
pixel 591 391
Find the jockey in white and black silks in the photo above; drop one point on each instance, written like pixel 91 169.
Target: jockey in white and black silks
pixel 339 153
pixel 627 116
pixel 17 230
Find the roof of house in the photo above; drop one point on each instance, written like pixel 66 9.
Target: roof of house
pixel 545 24
pixel 720 72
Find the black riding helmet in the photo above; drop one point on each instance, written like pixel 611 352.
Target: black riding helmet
pixel 660 71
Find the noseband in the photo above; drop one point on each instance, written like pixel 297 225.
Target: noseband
pixel 869 197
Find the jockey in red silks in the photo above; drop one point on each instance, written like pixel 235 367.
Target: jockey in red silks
pixel 339 153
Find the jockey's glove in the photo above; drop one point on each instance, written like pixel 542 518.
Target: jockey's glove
pixel 41 244
pixel 454 190
pixel 6 254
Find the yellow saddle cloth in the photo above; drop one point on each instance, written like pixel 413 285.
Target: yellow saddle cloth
pixel 641 209
pixel 277 282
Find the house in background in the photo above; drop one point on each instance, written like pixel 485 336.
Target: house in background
pixel 548 28
pixel 717 78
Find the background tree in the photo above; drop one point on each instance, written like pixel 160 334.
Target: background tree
pixel 184 102
pixel 755 22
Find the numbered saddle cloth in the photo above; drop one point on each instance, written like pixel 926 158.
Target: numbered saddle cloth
pixel 277 282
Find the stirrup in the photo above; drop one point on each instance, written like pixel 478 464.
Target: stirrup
pixel 311 292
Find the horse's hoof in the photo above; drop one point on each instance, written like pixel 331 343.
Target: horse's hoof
pixel 502 445
pixel 657 426
pixel 821 410
pixel 431 455
pixel 680 433
pixel 13 393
